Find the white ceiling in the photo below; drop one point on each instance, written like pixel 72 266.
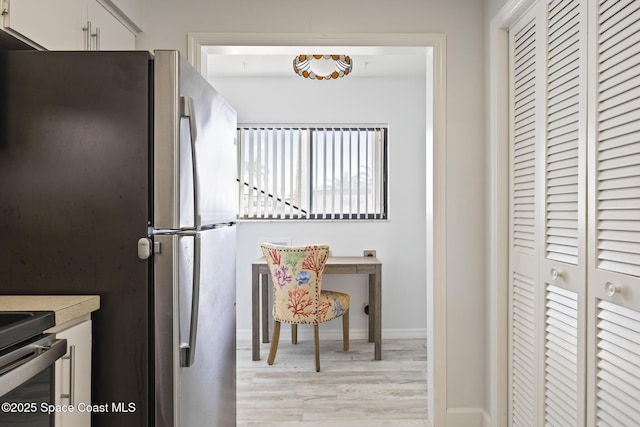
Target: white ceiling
pixel 261 61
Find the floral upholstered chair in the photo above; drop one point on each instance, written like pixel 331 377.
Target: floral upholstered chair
pixel 296 272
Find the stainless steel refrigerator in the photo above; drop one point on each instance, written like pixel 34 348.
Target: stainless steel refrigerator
pixel 117 178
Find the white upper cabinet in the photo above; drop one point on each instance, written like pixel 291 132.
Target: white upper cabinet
pixel 107 33
pixel 46 24
pixel 66 25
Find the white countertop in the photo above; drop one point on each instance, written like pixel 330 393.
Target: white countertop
pixel 66 307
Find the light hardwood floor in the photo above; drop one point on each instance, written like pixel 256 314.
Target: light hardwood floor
pixel 350 390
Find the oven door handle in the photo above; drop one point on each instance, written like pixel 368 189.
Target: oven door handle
pixel 44 356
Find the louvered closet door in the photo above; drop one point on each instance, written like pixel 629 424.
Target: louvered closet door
pixel 614 214
pixel 562 265
pixel 526 78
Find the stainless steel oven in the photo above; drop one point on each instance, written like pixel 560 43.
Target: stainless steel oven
pixel 27 374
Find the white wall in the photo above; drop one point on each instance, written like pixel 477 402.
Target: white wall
pixel 491 9
pixel 400 242
pixel 166 24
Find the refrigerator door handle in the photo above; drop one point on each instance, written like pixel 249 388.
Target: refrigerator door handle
pixel 188 111
pixel 188 350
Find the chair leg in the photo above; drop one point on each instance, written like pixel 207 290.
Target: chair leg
pixel 274 343
pixel 345 331
pixel 316 340
pixel 294 333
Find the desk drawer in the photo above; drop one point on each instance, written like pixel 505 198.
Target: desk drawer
pixel 340 269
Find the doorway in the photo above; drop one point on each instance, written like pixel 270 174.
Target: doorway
pixel 433 49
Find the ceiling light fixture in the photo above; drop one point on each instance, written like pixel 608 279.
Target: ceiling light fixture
pixel 322 67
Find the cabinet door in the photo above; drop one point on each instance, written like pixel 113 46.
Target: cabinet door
pixel 614 214
pixel 548 214
pixel 52 25
pixel 563 210
pixel 73 376
pixel 585 196
pixel 524 245
pixel 107 32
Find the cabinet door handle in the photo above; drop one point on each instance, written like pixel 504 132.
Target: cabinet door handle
pixel 72 375
pixel 610 289
pixel 96 37
pixel 87 36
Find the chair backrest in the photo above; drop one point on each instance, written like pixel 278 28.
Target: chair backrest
pixel 296 272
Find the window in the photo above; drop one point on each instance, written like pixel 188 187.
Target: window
pixel 315 172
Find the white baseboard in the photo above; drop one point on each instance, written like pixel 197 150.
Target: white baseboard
pixel 406 334
pixel 336 333
pixel 467 417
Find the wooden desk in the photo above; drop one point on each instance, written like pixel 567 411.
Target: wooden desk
pixel 335 265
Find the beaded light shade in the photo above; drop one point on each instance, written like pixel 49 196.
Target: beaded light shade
pixel 315 66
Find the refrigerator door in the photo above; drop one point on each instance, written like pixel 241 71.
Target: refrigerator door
pixel 194 153
pixel 203 393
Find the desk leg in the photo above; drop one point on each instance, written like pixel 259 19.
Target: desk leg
pixel 372 306
pixel 265 308
pixel 255 313
pixel 376 318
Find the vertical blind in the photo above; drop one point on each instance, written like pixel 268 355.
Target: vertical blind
pixel 312 172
